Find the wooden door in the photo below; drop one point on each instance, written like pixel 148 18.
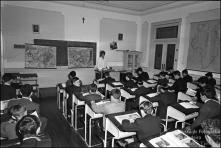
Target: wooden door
pixel 158 56
pixel 170 56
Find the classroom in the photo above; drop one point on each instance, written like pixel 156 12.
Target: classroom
pixel 110 73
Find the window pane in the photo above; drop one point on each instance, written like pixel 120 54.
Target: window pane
pixel 167 32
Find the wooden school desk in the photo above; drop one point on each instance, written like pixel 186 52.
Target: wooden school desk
pixel 115 128
pixel 110 86
pixel 182 114
pixel 93 115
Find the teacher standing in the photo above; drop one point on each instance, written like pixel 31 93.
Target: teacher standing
pixel 101 66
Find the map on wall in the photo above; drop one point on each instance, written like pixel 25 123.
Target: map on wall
pixel 80 57
pixel 204 46
pixel 37 56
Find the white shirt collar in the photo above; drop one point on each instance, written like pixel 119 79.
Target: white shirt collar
pixel 27 98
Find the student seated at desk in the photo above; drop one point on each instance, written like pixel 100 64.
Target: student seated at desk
pixel 141 90
pixel 211 130
pixel 211 81
pixel 28 129
pixel 71 75
pixel 141 75
pixel 7 91
pixel 27 92
pixel 186 76
pixel 210 108
pixel 30 107
pixel 165 99
pixel 114 106
pixel 133 104
pixel 107 78
pixel 179 84
pixel 170 74
pixel 16 112
pixel 76 90
pixel 129 82
pixel 162 81
pixel 201 83
pixel 92 95
pixel 146 127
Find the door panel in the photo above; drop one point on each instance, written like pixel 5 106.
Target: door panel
pixel 170 56
pixel 158 56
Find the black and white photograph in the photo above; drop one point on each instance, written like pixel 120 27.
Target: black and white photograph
pixel 110 73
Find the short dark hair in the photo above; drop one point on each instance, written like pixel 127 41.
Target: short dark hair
pixel 139 69
pixel 7 77
pixel 26 90
pixel 202 80
pixel 209 92
pixel 185 71
pixel 116 93
pixel 129 75
pixel 93 87
pixel 106 74
pixel 211 127
pixel 72 74
pixel 163 73
pixel 28 125
pixel 102 52
pixel 209 74
pixel 176 73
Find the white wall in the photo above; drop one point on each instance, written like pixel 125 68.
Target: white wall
pixel 74 30
pixel 176 13
pixel 110 28
pixel 17 29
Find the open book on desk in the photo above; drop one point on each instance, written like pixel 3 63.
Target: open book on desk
pixel 131 117
pixel 174 139
pixel 191 92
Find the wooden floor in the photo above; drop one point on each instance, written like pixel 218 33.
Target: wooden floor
pixel 61 133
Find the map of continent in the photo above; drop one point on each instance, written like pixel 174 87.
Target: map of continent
pixel 37 56
pixel 204 46
pixel 80 57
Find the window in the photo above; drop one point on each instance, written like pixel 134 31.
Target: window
pixel 166 32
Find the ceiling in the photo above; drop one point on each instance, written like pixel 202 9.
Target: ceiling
pixel 129 7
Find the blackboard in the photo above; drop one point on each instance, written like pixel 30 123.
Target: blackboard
pixel 62 48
